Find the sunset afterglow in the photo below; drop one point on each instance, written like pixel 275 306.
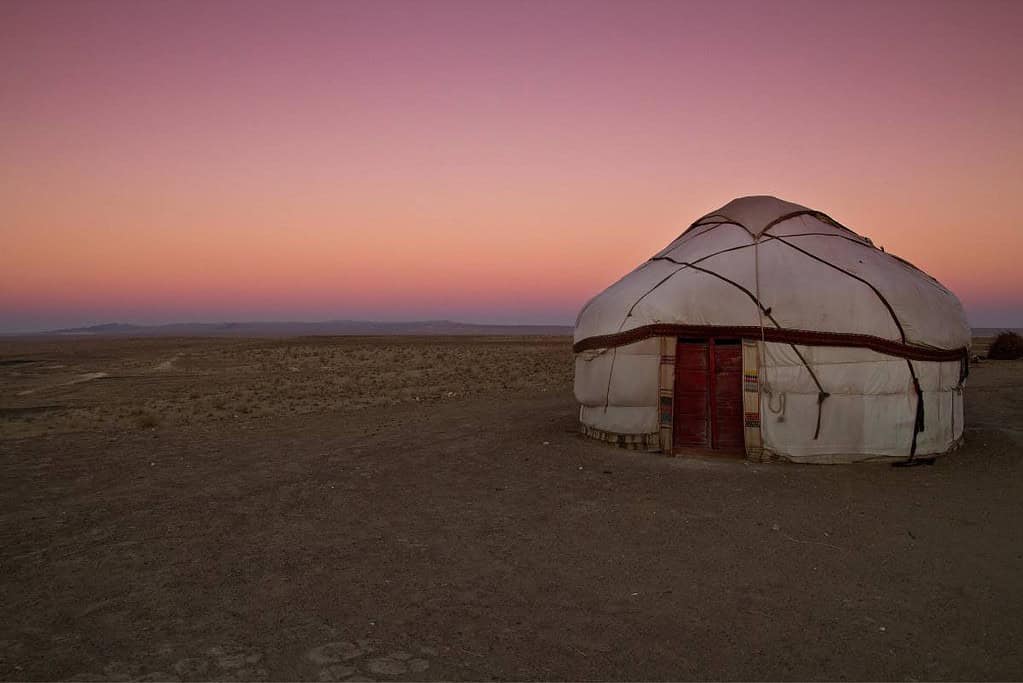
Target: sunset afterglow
pixel 482 161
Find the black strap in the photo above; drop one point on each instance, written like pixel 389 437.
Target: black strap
pixel 918 423
pixel 820 406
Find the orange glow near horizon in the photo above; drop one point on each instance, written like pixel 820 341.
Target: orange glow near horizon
pixel 482 161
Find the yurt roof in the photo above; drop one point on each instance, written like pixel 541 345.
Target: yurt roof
pixel 761 266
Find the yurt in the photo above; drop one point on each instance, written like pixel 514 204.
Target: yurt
pixel 770 330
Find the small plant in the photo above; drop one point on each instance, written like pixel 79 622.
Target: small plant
pixel 1006 346
pixel 147 420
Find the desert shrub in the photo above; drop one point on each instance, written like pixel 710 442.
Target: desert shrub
pixel 1006 346
pixel 146 420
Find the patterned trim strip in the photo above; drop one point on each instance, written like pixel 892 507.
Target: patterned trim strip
pixel 667 406
pixel 750 381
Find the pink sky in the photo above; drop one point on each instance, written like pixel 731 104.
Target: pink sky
pixel 482 161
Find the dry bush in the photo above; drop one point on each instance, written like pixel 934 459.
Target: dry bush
pixel 146 420
pixel 1006 346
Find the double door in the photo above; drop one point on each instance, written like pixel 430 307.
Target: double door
pixel 708 394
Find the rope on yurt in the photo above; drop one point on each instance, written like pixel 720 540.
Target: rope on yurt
pixel 780 410
pixel 761 310
pixel 918 422
pixel 821 394
pixel 767 312
pixel 884 301
pixel 763 238
pixel 610 374
pixel 756 281
pixel 952 412
pixel 788 216
pixel 724 220
pixel 859 239
pixel 765 386
pixel 964 372
pixel 702 258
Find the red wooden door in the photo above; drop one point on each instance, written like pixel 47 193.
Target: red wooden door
pixel 692 389
pixel 727 432
pixel 708 394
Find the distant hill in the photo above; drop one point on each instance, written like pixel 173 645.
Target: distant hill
pixel 343 327
pixel 994 331
pixel 298 329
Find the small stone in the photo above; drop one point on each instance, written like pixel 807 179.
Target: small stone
pixel 367 644
pixel 427 650
pixel 336 672
pixel 418 665
pixel 191 667
pixel 252 673
pixel 387 667
pixel 332 653
pixel 165 649
pixel 119 671
pixel 157 677
pixel 234 661
pixel 400 655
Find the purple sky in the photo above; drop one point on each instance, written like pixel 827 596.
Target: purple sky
pixel 482 161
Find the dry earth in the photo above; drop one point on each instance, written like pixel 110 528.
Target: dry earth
pixel 63 385
pixel 423 508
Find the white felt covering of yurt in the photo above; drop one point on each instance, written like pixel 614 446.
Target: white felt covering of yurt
pixel 818 277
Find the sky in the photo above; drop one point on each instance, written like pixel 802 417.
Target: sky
pixel 482 161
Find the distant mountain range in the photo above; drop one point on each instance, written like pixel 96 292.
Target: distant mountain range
pixel 342 327
pixel 298 329
pixel 993 331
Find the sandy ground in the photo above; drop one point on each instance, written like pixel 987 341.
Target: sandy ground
pixel 425 509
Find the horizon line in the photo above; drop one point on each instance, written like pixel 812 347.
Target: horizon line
pixel 115 326
pixel 230 323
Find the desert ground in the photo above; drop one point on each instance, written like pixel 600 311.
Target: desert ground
pixel 424 508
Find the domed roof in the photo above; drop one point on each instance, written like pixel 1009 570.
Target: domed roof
pixel 761 266
pixel 755 213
